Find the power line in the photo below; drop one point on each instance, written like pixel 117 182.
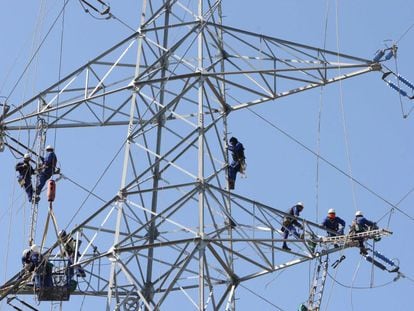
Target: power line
pixel 331 164
pixel 37 50
pixel 405 33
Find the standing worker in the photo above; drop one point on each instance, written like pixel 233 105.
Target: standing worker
pixel 361 224
pixel 26 171
pixel 70 248
pixel 333 223
pixel 47 168
pixel 238 164
pixel 290 223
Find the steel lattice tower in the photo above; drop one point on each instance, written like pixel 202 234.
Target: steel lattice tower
pixel 174 234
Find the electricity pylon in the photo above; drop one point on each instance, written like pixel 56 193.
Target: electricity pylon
pixel 174 234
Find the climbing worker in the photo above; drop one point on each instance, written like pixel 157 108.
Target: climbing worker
pixel 69 247
pixel 47 169
pixel 26 171
pixel 361 224
pixel 238 163
pixel 333 223
pixel 289 223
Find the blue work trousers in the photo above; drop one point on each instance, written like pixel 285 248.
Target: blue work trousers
pixel 43 177
pixel 234 167
pixel 291 229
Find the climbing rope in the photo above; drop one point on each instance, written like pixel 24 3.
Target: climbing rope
pixel 405 33
pixel 36 51
pixel 59 71
pixel 377 195
pixel 344 126
pixel 261 297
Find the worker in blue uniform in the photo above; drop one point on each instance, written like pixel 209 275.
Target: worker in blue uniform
pixel 361 224
pixel 238 163
pixel 333 223
pixel 290 223
pixel 25 170
pixel 47 169
pixel 42 268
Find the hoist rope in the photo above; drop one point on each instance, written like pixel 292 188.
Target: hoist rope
pixel 36 51
pixel 96 184
pixel 405 33
pixel 311 277
pixel 261 297
pixel 399 87
pixel 330 163
pixel 341 102
pixel 318 140
pixel 6 253
pixel 353 281
pixel 50 215
pixel 60 69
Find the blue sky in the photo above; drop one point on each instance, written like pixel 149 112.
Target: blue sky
pixel 362 132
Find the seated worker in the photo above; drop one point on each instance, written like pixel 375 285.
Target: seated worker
pixel 41 267
pixel 290 223
pixel 334 223
pixel 361 224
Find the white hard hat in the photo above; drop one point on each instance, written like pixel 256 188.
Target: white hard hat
pixel 331 211
pixel 299 204
pixel 26 156
pixel 26 251
pixel 358 213
pixel 35 248
pixel 49 147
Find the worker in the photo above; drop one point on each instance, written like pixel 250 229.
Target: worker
pixel 42 268
pixel 26 262
pixel 47 169
pixel 238 163
pixel 290 223
pixel 69 247
pixel 361 224
pixel 333 223
pixel 26 171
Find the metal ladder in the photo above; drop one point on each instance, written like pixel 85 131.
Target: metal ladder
pixel 318 284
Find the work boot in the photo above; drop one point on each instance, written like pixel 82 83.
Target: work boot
pixel 311 245
pixel 81 273
pixel 37 199
pixel 231 184
pixel 363 251
pixel 285 247
pixel 231 223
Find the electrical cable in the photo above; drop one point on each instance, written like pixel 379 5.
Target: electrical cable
pixel 330 164
pixel 405 33
pixel 36 51
pixel 261 297
pixel 359 287
pixel 59 70
pixel 344 126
